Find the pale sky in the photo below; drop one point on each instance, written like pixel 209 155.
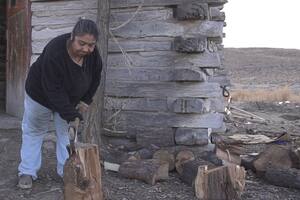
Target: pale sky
pixel 262 23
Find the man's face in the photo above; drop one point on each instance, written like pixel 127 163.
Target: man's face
pixel 84 44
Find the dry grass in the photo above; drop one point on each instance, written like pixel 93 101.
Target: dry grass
pixel 281 94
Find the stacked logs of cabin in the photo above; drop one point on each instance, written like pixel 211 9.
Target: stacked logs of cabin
pixel 163 89
pixel 2 54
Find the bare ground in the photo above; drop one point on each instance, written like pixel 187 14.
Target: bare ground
pixel 248 68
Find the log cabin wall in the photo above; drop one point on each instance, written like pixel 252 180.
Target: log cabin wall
pixel 2 53
pixel 163 88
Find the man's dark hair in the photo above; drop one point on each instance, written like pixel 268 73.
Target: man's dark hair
pixel 85 26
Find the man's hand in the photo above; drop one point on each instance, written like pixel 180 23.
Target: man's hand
pixel 82 107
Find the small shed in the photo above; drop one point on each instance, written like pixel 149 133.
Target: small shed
pixel 162 83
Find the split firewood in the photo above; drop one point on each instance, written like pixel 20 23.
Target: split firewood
pixel 289 178
pixel 82 173
pixel 164 155
pixel 149 171
pixel 190 170
pixel 181 158
pixel 273 156
pixel 227 156
pixel 225 182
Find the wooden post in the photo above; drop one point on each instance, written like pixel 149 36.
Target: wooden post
pixel 94 119
pixel 82 174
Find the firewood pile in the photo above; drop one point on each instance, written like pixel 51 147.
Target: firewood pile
pixel 220 174
pixel 210 177
pixel 278 164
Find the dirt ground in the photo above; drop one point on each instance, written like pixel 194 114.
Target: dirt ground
pixel 248 68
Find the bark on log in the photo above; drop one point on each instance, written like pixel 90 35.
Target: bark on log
pixel 164 155
pixel 183 157
pixel 149 171
pixel 226 182
pixel 82 174
pixel 289 178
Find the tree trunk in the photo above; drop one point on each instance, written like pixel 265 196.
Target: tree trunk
pixel 82 174
pixel 94 119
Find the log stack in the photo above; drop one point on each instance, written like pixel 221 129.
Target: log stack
pixel 165 90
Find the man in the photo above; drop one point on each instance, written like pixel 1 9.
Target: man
pixel 61 83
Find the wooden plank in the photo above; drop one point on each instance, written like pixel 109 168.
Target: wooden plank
pixel 155 74
pixel 90 4
pixel 136 104
pixel 131 3
pixel 61 16
pixel 162 89
pixel 188 75
pixel 166 120
pixel 117 17
pixel 142 44
pixel 198 105
pixel 161 137
pixel 191 136
pixel 137 29
pixel 120 16
pixel 166 59
pixel 217 104
pixel 65 5
pixel 170 28
pixel 160 104
pixel 129 45
pixel 46 32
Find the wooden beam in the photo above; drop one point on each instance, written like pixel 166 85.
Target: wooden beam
pixel 94 120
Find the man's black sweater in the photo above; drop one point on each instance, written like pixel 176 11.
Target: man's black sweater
pixel 58 83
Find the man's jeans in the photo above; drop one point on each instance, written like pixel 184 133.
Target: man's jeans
pixel 35 125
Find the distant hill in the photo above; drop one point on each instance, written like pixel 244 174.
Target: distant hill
pixel 263 67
